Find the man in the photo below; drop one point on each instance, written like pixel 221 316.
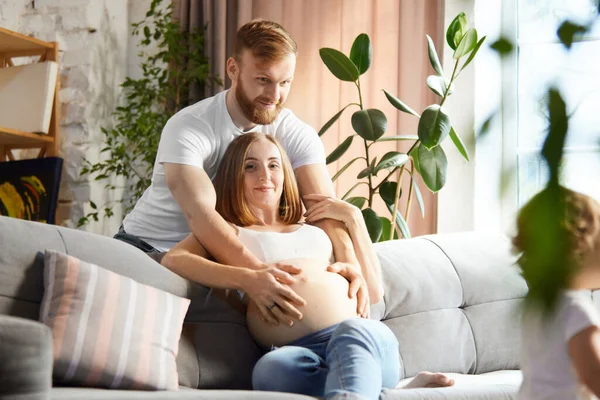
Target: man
pixel 182 198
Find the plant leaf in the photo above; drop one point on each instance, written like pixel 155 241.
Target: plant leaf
pixel 397 137
pixel 364 173
pixel 568 31
pixel 460 146
pixel 370 124
pixel 357 201
pixel 456 30
pixel 433 57
pixel 400 222
pixel 345 167
pixel 437 84
pixel 329 123
pixel 373 224
pixel 339 65
pixel 399 104
pixel 386 224
pixel 340 150
pixel 433 167
pixel 418 195
pixel 390 160
pixel 362 53
pixel 387 191
pixel 473 53
pixel 502 46
pixel 434 126
pixel 467 44
pixel 415 158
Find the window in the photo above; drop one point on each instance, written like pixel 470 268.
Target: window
pixel 541 60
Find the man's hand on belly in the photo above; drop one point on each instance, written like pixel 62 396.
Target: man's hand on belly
pixel 358 285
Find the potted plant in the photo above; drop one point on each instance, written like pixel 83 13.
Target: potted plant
pixel 426 157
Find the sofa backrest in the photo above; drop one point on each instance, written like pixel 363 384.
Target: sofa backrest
pixel 453 301
pixel 215 350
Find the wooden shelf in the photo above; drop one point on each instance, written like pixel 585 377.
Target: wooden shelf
pixel 13 42
pixel 12 137
pixel 15 45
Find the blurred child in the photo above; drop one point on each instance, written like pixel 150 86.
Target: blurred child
pixel 560 356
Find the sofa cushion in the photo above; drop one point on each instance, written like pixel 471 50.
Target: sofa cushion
pixel 109 330
pixel 453 301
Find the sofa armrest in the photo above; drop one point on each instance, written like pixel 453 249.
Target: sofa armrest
pixel 26 359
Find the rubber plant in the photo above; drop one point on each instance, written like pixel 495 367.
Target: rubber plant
pixel 425 157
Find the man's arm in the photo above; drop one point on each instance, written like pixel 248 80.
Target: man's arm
pixel 194 192
pixel 314 178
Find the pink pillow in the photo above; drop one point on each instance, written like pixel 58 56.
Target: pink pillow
pixel 109 330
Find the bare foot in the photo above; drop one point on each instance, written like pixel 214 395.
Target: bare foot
pixel 428 380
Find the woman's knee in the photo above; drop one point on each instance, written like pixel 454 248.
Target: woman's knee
pixel 367 329
pixel 286 364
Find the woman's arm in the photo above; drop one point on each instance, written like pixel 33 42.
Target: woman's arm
pixel 329 207
pixel 584 349
pixel 265 287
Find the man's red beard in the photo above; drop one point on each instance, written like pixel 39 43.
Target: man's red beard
pixel 253 112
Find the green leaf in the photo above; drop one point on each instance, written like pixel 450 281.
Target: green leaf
pixel 434 126
pixel 415 157
pixel 340 150
pixel 387 191
pixel 370 124
pixel 147 32
pixel 345 167
pixel 399 104
pixel 364 173
pixel 467 44
pixel 460 146
pixel 433 57
pixel 373 224
pixel 339 65
pixel 93 205
pixel 362 53
pixel 400 222
pixel 329 123
pixel 433 167
pixel 473 53
pixel 568 31
pixel 391 159
pixel 502 46
pixel 418 195
pixel 552 150
pixel 397 138
pixel 357 201
pixel 456 30
pixel 352 188
pixel 386 224
pixel 437 84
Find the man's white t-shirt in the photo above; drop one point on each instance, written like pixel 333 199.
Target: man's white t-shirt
pixel 548 373
pixel 198 135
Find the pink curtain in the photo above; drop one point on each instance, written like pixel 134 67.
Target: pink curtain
pixel 400 65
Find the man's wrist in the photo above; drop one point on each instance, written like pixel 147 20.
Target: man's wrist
pixel 244 276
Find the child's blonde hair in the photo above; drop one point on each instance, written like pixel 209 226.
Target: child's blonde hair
pixel 556 230
pixel 580 221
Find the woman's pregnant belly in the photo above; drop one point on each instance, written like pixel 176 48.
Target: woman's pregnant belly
pixel 327 303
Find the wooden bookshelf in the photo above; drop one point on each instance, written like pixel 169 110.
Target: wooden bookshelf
pixel 15 45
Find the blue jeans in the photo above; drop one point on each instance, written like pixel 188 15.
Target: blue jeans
pixel 356 357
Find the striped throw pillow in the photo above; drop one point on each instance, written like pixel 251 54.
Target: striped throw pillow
pixel 108 330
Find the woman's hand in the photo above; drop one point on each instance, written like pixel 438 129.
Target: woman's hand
pixel 330 207
pixel 357 288
pixel 276 301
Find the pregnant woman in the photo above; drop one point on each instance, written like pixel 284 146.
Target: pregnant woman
pixel 329 351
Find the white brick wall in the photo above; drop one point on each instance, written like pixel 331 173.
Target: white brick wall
pixel 96 53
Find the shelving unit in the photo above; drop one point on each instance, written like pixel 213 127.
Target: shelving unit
pixel 15 45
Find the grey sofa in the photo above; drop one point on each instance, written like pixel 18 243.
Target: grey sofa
pixel 452 300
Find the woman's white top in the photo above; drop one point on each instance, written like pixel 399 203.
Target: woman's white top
pixel 305 242
pixel 548 373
